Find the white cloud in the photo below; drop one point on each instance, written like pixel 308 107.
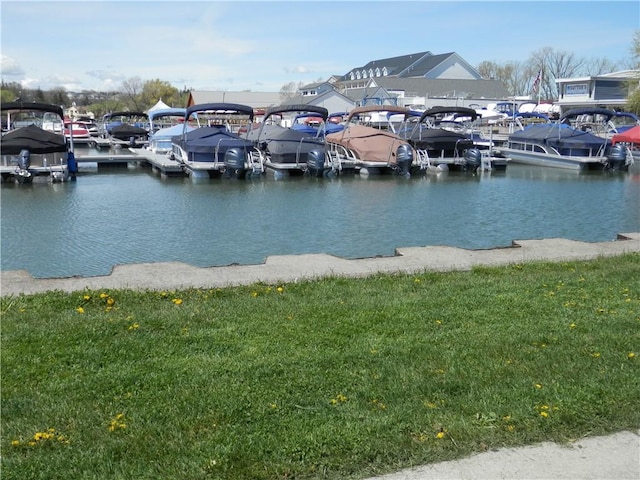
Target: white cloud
pixel 10 67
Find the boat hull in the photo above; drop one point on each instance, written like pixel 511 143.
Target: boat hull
pixel 555 161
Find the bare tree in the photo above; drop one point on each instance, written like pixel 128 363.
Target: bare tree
pixel 131 93
pixel 599 66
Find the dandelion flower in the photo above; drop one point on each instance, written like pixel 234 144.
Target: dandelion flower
pixel 103 295
pixel 80 310
pixel 177 301
pixel 544 414
pixel 111 301
pixel 15 443
pixel 631 355
pixel 538 386
pixel 280 289
pixel 87 297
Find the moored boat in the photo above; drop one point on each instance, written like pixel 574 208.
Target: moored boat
pixel 163 126
pixel 293 150
pixel 28 150
pixel 76 132
pixel 129 129
pixel 562 145
pixel 444 140
pixel 368 143
pixel 213 148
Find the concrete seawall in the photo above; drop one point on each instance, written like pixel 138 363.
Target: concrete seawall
pixel 291 268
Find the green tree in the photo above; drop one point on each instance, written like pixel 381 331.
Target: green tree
pixel 154 90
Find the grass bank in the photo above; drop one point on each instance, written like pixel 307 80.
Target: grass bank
pixel 337 378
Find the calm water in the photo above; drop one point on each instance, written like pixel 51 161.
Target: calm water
pixel 132 216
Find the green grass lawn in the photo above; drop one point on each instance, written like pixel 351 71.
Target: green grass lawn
pixel 335 378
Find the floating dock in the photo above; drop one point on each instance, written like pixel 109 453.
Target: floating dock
pixel 160 163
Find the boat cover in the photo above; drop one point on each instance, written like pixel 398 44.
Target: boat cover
pixel 368 143
pixel 631 135
pixel 170 132
pixel 34 139
pixel 425 138
pixel 559 135
pixel 210 139
pixel 285 145
pixel 124 131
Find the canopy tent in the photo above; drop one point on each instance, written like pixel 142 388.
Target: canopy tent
pixel 158 106
pixel 630 136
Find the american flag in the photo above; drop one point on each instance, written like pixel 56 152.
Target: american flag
pixel 536 82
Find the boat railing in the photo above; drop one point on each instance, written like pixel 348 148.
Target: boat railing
pixel 629 160
pixel 256 161
pixel 342 152
pixel 333 160
pixel 423 160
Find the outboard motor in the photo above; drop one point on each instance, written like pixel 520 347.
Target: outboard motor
pixel 404 159
pixel 24 160
pixel 316 162
pixel 616 157
pixel 473 159
pixel 132 142
pixel 234 163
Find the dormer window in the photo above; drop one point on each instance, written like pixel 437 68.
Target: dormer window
pixel 385 72
pixel 377 72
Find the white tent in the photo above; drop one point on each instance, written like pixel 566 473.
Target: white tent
pixel 159 106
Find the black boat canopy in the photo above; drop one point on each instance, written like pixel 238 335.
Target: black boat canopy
pixel 221 108
pixel 321 111
pixel 459 111
pixel 108 116
pixel 605 112
pixel 32 107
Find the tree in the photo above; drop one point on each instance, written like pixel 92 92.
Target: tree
pixel 154 90
pixel 290 90
pixel 58 96
pixel 131 94
pixel 633 100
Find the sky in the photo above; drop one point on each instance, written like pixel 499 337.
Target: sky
pixel 262 45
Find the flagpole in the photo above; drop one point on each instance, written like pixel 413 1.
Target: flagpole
pixel 540 84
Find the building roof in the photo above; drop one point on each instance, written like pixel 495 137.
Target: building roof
pixel 394 65
pixel 422 64
pixel 253 99
pixel 433 87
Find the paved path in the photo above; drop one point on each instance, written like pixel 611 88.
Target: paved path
pixel 611 457
pixel 283 269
